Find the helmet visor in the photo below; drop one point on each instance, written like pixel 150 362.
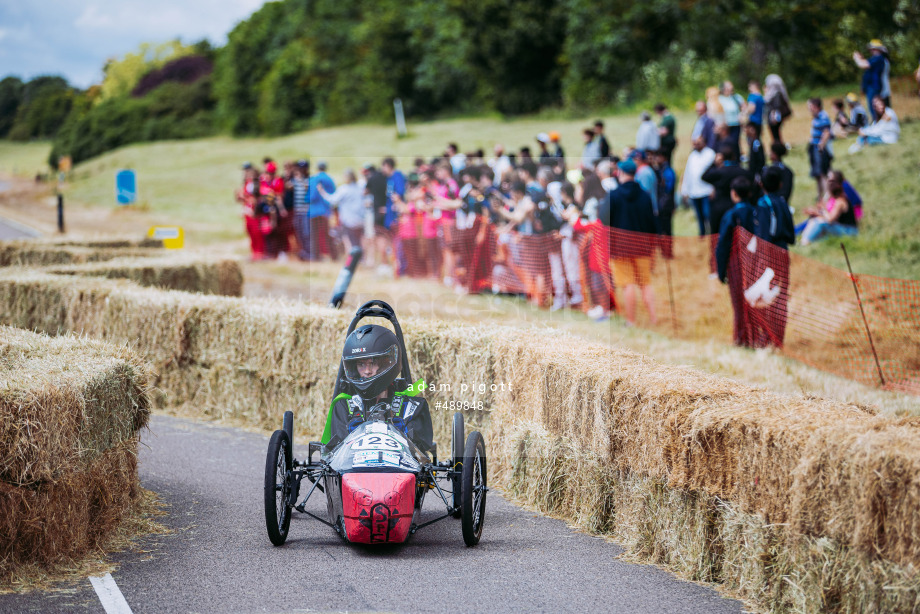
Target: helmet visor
pixel 365 368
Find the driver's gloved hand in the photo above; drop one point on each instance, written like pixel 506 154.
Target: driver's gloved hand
pixel 354 424
pixel 400 424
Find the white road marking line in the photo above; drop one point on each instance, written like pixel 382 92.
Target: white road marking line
pixel 112 600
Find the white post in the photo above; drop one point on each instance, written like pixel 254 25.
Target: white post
pixel 400 118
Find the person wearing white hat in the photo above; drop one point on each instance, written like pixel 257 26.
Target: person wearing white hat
pixel 546 158
pixel 876 68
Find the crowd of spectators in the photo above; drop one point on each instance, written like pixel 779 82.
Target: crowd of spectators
pixel 518 222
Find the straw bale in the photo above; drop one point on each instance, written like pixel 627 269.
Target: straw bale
pixel 52 522
pixel 36 253
pixel 187 272
pixel 63 402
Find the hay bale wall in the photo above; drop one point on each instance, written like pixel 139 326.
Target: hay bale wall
pixel 793 502
pixel 70 412
pixel 186 272
pixel 46 252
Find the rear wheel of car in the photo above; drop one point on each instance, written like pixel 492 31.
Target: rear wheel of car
pixel 473 491
pixel 456 460
pixel 278 487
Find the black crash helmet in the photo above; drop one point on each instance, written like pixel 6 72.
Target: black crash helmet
pixel 371 359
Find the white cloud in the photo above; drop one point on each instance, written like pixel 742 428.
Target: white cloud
pixel 76 38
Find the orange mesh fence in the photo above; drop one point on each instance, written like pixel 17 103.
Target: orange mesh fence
pixel 773 297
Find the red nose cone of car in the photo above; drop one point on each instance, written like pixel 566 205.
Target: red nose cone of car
pixel 378 507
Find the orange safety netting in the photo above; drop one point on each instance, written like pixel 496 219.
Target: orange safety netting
pixel 773 297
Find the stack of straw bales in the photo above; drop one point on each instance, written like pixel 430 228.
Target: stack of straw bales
pixel 45 252
pixel 70 411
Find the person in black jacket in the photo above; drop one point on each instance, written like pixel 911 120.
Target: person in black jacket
pixel 759 289
pixel 630 212
pixel 787 177
pixel 724 170
pixel 371 365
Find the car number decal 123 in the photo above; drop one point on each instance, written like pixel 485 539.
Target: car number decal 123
pixel 376 442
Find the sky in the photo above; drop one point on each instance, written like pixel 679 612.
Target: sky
pixel 74 38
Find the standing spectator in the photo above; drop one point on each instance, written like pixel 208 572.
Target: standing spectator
pixel 645 176
pixel 395 188
pixel 447 192
pixel 713 106
pixel 666 183
pixel 782 234
pixel 348 200
pixel 787 177
pixel 704 127
pixel 630 209
pixel 667 127
pixel 546 158
pixel 756 157
pixel 558 152
pixel 248 197
pixel 647 136
pixel 301 187
pixel 320 241
pixel 819 155
pixel 768 220
pixel 375 189
pixel 875 81
pixel 858 117
pixel 271 191
pixel 287 221
pixel 525 156
pixel 591 152
pixel 732 106
pixel 603 145
pixel 457 159
pixel 885 130
pixel 500 164
pixel 693 188
pixel 724 170
pixel 754 109
pixel 604 172
pixel 777 106
pixel 724 139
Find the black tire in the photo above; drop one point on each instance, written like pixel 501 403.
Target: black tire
pixel 456 459
pixel 278 487
pixel 474 489
pixel 287 425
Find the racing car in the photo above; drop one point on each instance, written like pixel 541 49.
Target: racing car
pixel 376 478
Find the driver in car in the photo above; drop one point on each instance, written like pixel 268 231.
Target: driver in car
pixel 372 365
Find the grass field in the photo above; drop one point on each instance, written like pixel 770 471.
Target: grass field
pixel 191 183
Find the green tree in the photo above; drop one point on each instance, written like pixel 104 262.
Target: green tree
pixel 11 91
pixel 121 75
pixel 244 62
pixel 46 102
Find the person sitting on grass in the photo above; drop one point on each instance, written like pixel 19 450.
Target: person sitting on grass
pixel 884 131
pixel 836 219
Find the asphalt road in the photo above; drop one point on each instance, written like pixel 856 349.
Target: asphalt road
pixel 219 558
pixel 12 230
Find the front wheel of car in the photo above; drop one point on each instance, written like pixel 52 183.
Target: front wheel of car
pixel 474 489
pixel 278 465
